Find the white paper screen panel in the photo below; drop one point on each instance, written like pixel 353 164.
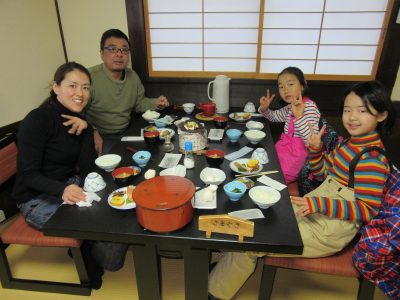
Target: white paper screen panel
pixel 275 66
pixel 238 35
pixel 355 5
pixel 177 64
pixel 176 35
pixel 290 36
pixel 293 6
pixel 184 20
pixel 232 5
pixel 230 50
pixel 177 50
pixel 289 51
pixel 353 20
pixel 292 20
pixel 346 52
pixel 360 36
pixel 174 6
pixel 229 65
pixel 231 20
pixel 344 67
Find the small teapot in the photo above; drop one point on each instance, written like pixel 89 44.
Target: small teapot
pixel 249 107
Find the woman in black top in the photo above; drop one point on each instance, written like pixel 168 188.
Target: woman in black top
pixel 52 162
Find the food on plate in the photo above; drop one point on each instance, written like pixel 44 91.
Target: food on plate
pixel 165 133
pixel 151 114
pixel 246 115
pixel 118 198
pixel 129 191
pixel 253 164
pixel 241 167
pixel 239 116
pixel 248 182
pixel 191 125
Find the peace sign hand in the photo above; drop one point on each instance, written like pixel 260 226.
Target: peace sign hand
pixel 265 101
pixel 298 107
pixel 314 139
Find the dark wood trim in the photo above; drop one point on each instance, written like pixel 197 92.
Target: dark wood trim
pixel 61 31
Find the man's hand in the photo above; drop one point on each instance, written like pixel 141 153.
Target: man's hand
pixel 162 102
pixel 72 194
pixel 265 101
pixel 298 107
pixel 77 124
pixel 98 142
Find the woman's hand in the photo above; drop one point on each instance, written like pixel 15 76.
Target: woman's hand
pixel 301 202
pixel 98 142
pixel 162 102
pixel 265 101
pixel 298 107
pixel 73 194
pixel 314 139
pixel 77 124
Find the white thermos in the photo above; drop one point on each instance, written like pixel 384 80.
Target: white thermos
pixel 220 95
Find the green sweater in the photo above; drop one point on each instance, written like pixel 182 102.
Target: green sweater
pixel 110 107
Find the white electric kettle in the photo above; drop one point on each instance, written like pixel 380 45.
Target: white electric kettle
pixel 220 93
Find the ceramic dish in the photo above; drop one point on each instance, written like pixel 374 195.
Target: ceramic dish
pixel 128 203
pixel 166 131
pixel 247 181
pixel 234 165
pixel 240 116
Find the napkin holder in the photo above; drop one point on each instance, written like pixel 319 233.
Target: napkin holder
pixel 226 224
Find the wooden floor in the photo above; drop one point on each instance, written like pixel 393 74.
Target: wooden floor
pixel 54 264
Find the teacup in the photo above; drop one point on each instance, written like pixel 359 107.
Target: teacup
pixel 261 155
pixel 249 107
pixel 188 107
pixel 94 182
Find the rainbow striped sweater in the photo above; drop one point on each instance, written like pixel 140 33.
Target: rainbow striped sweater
pixel 370 175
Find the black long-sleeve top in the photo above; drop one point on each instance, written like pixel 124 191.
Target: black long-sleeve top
pixel 48 155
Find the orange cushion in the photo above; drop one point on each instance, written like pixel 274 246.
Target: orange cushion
pixel 19 232
pixel 8 162
pixel 338 264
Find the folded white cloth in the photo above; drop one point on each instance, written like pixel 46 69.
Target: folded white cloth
pixel 271 182
pixel 132 138
pixel 90 197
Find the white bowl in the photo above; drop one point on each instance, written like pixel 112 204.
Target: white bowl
pixel 264 196
pixel 108 162
pixel 94 182
pixel 254 125
pixel 254 136
pixel 212 176
pixel 151 115
pixel 188 107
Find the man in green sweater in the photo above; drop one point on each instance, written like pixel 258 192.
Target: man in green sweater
pixel 116 92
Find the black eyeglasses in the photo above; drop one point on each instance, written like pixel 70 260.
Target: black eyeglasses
pixel 114 50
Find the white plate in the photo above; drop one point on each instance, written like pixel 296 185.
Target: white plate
pixel 125 206
pixel 243 161
pixel 238 117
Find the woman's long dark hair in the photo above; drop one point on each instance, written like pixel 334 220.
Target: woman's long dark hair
pixel 60 74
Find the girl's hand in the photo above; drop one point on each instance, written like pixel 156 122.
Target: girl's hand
pixel 72 194
pixel 314 139
pixel 301 202
pixel 77 124
pixel 298 107
pixel 265 101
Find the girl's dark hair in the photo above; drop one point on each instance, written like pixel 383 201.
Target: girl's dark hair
pixel 60 74
pixel 299 75
pixel 373 93
pixel 112 33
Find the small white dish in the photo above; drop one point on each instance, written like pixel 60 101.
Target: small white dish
pixel 212 176
pixel 94 183
pixel 179 170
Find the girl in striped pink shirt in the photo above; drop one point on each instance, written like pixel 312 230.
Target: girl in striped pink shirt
pixel 297 115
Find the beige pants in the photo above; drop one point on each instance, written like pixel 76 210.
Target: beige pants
pixel 321 235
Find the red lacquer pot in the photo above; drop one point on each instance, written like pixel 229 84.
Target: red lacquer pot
pixel 163 203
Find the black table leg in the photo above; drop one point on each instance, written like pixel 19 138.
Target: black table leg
pixel 147 269
pixel 196 273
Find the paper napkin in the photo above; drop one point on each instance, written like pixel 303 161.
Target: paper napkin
pixel 247 214
pixel 90 197
pixel 271 182
pixel 170 160
pixel 239 153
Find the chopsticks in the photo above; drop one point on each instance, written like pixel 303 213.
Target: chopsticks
pixel 133 150
pixel 258 174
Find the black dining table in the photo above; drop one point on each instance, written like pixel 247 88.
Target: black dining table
pixel 276 233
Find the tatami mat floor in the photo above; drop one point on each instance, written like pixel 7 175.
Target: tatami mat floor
pixel 54 264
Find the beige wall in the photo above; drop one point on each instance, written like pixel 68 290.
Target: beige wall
pixel 83 23
pixel 30 52
pixel 396 88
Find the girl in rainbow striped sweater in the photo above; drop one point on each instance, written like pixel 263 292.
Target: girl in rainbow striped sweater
pixel 330 216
